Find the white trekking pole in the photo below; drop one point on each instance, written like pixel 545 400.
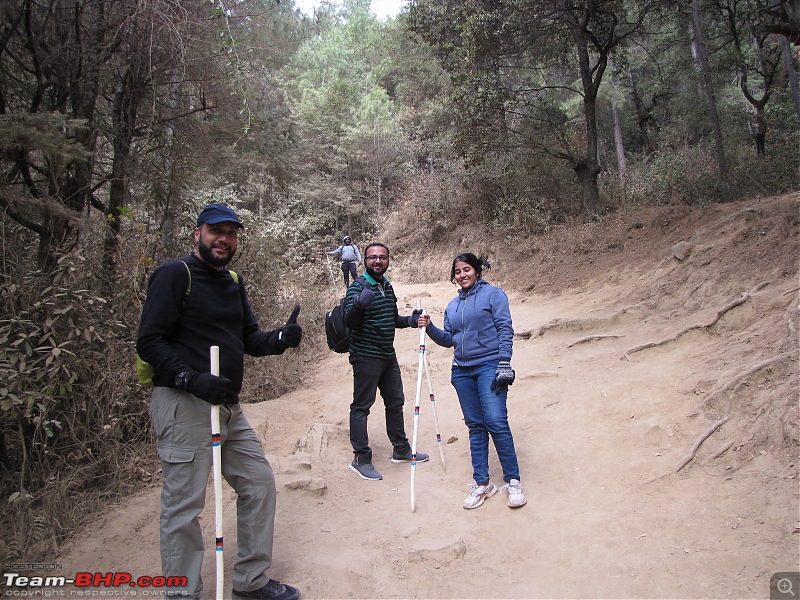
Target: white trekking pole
pixel 216 454
pixel 330 271
pixel 433 406
pixel 421 368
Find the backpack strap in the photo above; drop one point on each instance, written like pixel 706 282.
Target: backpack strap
pixel 234 274
pixel 188 287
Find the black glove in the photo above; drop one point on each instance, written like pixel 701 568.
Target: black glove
pixel 292 333
pixel 504 376
pixel 206 386
pixel 364 299
pixel 413 320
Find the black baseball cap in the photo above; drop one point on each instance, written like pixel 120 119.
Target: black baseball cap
pixel 218 213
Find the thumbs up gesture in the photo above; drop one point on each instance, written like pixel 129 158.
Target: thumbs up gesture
pixel 292 333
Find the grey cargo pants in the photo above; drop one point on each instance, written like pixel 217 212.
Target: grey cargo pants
pixel 183 427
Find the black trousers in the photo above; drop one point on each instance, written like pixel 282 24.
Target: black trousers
pixel 349 270
pixel 369 375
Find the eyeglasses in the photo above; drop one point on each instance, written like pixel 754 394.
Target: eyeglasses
pixel 378 257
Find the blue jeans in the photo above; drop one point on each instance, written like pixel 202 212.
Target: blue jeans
pixel 485 413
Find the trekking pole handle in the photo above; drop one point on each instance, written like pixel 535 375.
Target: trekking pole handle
pixel 215 360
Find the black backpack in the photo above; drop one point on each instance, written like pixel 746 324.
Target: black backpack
pixel 336 331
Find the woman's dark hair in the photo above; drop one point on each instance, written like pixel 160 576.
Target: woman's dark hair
pixel 476 263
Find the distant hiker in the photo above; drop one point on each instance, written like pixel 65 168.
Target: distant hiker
pixel 350 258
pixel 477 323
pixel 192 304
pixel 371 315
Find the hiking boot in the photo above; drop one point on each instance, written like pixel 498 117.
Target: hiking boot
pixel 274 590
pixel 404 458
pixel 516 497
pixel 365 470
pixel 479 493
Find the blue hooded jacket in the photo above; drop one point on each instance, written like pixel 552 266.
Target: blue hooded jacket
pixel 477 323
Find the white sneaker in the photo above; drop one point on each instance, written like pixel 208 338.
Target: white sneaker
pixel 516 497
pixel 479 493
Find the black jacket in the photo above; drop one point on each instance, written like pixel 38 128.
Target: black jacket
pixel 177 329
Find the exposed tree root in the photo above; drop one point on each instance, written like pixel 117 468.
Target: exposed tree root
pixel 734 381
pixel 576 323
pixel 590 338
pixel 688 458
pixel 731 386
pixel 792 291
pixel 562 323
pixel 733 304
pixel 759 287
pixel 722 450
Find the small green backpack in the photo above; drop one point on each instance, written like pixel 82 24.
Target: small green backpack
pixel 145 370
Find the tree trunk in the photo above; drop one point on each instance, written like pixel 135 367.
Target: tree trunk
pixel 587 176
pixel 380 195
pixel 588 168
pixel 644 117
pixel 792 74
pixel 125 109
pixel 758 127
pixel 46 258
pixel 702 57
pixel 168 189
pixel 74 187
pixel 619 145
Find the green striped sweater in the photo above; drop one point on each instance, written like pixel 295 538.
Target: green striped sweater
pixel 372 329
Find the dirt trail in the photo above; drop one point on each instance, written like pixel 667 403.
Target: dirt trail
pixel 599 437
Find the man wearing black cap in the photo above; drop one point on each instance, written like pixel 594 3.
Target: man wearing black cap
pixel 351 257
pixel 193 304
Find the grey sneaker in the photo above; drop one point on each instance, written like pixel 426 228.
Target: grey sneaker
pixel 274 590
pixel 516 497
pixel 479 493
pixel 400 458
pixel 365 470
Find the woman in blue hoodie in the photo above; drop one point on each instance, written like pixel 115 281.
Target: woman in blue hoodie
pixel 477 323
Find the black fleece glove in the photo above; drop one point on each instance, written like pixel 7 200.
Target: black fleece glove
pixel 364 299
pixel 504 376
pixel 413 320
pixel 292 333
pixel 206 386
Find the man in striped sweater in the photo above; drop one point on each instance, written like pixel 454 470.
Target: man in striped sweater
pixel 371 316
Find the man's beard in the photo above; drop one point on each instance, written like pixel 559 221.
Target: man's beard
pixel 374 274
pixel 208 256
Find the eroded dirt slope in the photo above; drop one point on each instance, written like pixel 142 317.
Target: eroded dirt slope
pixel 673 321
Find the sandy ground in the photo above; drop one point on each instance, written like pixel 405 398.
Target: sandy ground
pixel 599 437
